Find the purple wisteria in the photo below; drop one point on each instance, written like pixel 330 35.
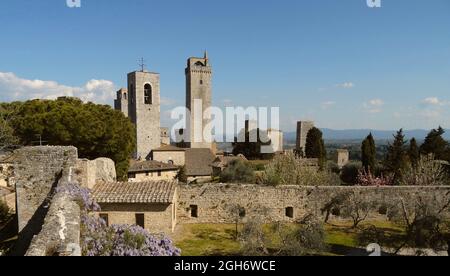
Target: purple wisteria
pixel 99 239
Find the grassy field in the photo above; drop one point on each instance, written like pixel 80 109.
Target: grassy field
pixel 219 240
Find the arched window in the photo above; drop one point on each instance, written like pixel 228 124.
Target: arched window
pixel 124 96
pixel 147 94
pixel 170 162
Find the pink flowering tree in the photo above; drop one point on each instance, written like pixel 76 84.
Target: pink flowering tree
pixel 366 178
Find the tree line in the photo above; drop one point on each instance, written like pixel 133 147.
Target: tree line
pixel 95 130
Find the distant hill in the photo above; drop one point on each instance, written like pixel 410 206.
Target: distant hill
pixel 359 134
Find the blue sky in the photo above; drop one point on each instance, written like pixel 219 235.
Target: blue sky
pixel 339 63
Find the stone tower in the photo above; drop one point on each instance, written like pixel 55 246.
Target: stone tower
pixel 198 99
pixel 144 111
pixel 303 127
pixel 342 157
pixel 121 102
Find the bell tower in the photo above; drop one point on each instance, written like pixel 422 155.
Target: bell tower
pixel 144 111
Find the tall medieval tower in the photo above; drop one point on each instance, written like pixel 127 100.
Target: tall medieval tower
pixel 144 111
pixel 303 128
pixel 121 102
pixel 198 100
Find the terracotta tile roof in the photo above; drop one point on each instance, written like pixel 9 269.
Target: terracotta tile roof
pixel 140 192
pixel 150 166
pixel 169 148
pixel 198 162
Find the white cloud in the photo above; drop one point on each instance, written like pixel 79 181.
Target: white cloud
pixel 14 88
pixel 346 85
pixel 373 106
pixel 434 101
pixel 327 105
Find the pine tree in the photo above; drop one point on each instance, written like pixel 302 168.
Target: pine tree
pixel 413 152
pixel 396 158
pixel 315 146
pixel 436 145
pixel 369 153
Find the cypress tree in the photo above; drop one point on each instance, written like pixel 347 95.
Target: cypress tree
pixel 315 146
pixel 396 158
pixel 369 151
pixel 413 152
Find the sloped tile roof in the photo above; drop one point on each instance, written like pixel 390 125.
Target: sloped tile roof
pixel 198 162
pixel 140 192
pixel 150 166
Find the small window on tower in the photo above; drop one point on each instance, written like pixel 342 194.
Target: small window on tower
pixel 201 81
pixel 148 94
pixel 124 96
pixel 132 93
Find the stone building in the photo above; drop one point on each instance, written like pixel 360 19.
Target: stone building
pixel 197 161
pixel 342 157
pixel 303 127
pixel 277 140
pixel 170 154
pixel 144 111
pixel 165 136
pixel 270 140
pixel 150 170
pixel 198 165
pixel 121 101
pixel 198 100
pixel 151 205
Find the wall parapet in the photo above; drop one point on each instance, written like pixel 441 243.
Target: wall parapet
pixel 60 234
pixel 213 202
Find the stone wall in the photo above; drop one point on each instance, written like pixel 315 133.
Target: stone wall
pixel 153 176
pixel 214 201
pixel 48 221
pixel 60 234
pixel 90 172
pixel 37 173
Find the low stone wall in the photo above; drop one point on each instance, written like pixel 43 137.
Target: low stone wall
pixel 285 203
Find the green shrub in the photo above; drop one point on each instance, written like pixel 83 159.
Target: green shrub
pixel 350 172
pixel 289 169
pixel 238 171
